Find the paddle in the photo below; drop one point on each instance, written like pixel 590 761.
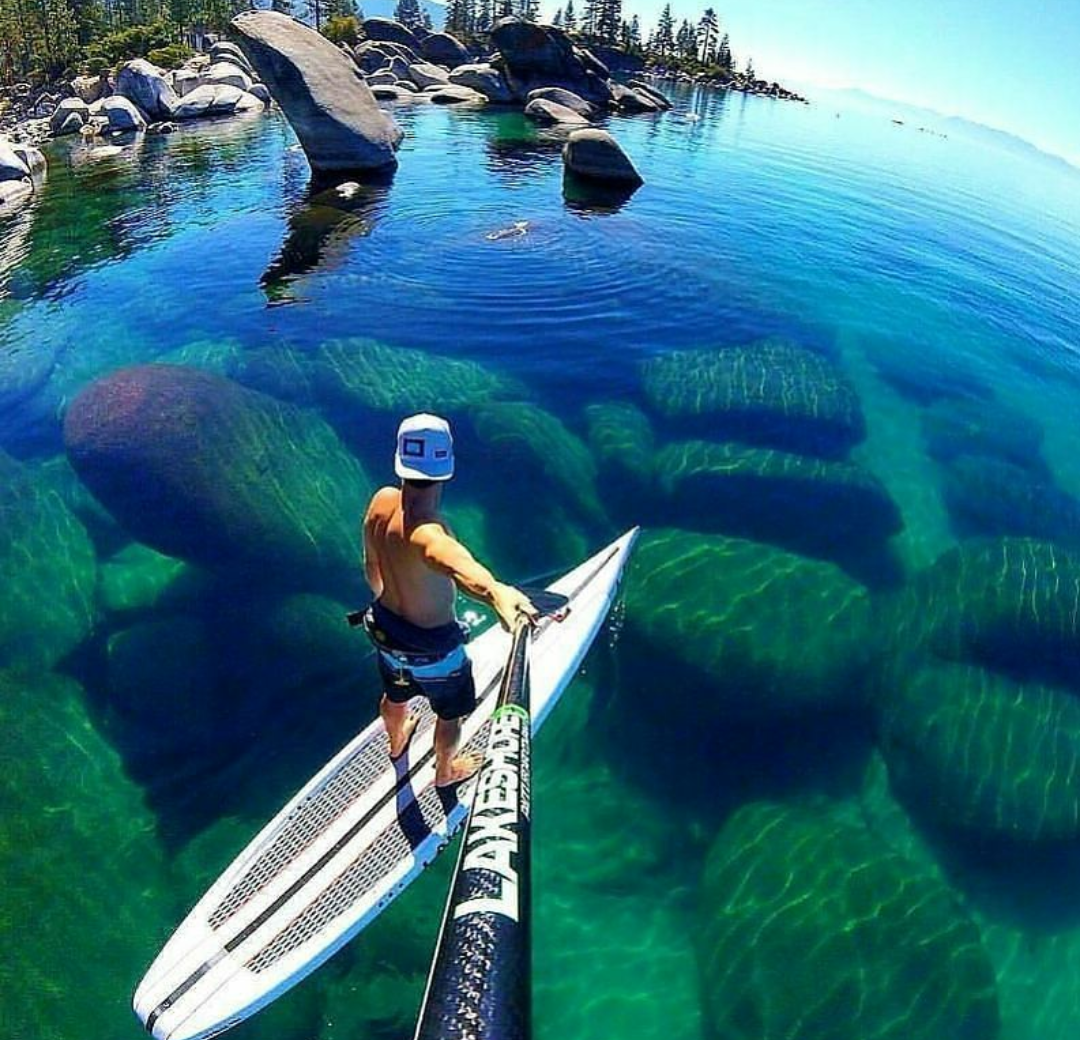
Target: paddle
pixel 479 987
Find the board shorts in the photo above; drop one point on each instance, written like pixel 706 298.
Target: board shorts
pixel 422 662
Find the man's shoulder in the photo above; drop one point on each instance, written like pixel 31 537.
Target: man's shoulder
pixel 384 501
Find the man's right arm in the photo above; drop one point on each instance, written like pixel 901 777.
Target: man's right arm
pixel 444 553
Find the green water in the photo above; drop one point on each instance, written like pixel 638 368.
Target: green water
pixel 820 778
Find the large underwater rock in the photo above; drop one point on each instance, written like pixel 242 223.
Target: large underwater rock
pixel 831 509
pixel 774 394
pixel 361 373
pixel 977 752
pixel 814 928
pixel 134 579
pixel 988 496
pixel 1012 604
pixel 84 902
pixel 983 427
pixel 199 467
pixel 321 92
pixel 47 570
pixel 531 448
pixel 747 631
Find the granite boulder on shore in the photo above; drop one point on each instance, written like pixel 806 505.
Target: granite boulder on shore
pixel 322 93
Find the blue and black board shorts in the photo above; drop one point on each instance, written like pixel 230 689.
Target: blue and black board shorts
pixel 422 662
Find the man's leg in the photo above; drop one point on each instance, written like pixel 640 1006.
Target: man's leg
pixel 399 723
pixel 450 767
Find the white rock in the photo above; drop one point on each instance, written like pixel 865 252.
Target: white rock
pixel 123 115
pixel 227 74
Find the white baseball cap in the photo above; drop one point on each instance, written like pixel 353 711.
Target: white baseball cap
pixel 425 449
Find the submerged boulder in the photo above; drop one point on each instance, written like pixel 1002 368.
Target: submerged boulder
pixel 530 447
pixel 47 570
pixel 988 496
pixel 366 375
pixel 146 86
pixel 774 394
pixel 982 427
pixel 596 155
pixel 831 509
pixel 756 633
pixel 813 927
pixel 83 869
pixel 201 468
pixel 977 752
pixel 622 442
pixel 1012 604
pixel 323 95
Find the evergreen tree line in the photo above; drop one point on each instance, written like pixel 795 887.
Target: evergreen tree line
pixel 602 21
pixel 44 39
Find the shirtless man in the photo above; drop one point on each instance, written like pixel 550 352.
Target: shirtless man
pixel 413 563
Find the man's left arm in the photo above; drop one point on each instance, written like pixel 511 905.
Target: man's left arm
pixel 372 571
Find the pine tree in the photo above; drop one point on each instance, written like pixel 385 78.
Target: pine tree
pixel 569 17
pixel 427 22
pixel 557 19
pixel 409 14
pixel 608 19
pixel 591 18
pixel 750 74
pixel 664 37
pixel 530 10
pixel 723 53
pixel 708 28
pixel 484 17
pixel 634 43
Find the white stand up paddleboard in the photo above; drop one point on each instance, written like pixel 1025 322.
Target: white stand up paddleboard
pixel 351 840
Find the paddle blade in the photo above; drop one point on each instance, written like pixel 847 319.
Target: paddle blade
pixel 548 603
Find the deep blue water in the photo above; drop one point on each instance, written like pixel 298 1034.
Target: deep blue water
pixel 939 281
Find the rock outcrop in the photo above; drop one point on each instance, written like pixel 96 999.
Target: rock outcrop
pixel 122 114
pixel 483 78
pixel 444 49
pixel 549 113
pixel 145 85
pixel 543 56
pixel 596 155
pixel 338 121
pixel 389 31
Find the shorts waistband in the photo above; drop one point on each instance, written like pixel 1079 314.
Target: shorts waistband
pixel 391 632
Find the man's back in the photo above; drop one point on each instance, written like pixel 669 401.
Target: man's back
pixel 410 587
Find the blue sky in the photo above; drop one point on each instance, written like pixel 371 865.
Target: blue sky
pixel 1012 64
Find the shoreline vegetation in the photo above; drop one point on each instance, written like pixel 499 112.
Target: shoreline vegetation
pixel 52 50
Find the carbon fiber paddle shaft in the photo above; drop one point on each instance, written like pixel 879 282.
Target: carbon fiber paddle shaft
pixel 480 987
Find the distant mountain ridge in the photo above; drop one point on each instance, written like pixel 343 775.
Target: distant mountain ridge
pixel 962 127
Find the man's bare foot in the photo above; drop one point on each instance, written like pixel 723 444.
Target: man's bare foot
pixel 461 768
pixel 400 741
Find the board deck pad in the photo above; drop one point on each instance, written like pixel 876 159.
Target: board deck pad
pixel 352 839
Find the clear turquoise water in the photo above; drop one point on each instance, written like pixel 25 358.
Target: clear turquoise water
pixel 154 714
